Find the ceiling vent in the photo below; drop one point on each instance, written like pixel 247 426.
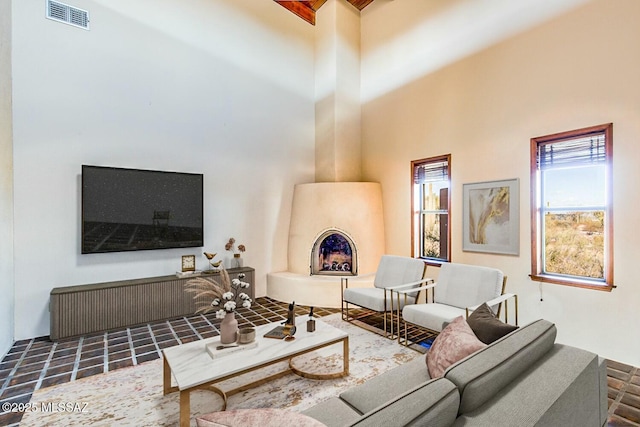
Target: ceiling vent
pixel 67 14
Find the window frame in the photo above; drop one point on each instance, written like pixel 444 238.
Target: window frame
pixel 416 211
pixel 537 245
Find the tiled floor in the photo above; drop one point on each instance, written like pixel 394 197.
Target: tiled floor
pixel 37 363
pixel 624 394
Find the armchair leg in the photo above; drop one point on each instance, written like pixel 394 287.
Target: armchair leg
pixel 403 335
pixel 506 310
pixel 384 324
pixel 387 334
pixel 342 298
pixel 344 305
pixel 392 331
pixel 406 339
pixel 388 324
pixel 390 334
pixel 403 340
pixel 402 324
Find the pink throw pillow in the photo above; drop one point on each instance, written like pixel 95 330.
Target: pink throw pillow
pixel 455 342
pixel 263 417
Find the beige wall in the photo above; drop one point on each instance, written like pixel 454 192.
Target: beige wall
pixel 6 183
pixel 576 70
pixel 337 93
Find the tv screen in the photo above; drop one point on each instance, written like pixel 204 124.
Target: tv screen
pixel 132 209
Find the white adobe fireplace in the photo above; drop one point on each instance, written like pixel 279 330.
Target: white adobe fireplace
pixel 336 227
pixel 336 231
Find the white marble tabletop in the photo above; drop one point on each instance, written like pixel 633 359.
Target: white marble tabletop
pixel 191 365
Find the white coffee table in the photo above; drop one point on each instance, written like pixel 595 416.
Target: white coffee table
pixel 193 368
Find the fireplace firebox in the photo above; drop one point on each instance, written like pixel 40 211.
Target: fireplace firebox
pixel 334 253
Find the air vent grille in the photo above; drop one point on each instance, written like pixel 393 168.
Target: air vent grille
pixel 67 14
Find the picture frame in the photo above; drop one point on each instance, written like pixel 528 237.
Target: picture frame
pixel 491 217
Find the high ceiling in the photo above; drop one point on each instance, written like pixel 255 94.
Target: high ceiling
pixel 307 9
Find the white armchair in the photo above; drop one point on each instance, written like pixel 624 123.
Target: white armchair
pixel 393 273
pixel 460 289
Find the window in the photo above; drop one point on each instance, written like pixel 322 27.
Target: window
pixel 431 208
pixel 572 209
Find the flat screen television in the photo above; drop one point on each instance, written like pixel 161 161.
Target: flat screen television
pixel 133 209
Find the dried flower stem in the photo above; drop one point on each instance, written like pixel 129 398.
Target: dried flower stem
pixel 217 293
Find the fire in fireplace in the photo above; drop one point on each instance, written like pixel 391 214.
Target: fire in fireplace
pixel 334 253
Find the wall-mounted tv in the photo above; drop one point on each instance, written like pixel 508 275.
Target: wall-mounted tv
pixel 133 209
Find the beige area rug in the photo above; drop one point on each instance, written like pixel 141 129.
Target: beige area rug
pixel 133 396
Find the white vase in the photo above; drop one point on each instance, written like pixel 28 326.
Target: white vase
pixel 236 261
pixel 229 329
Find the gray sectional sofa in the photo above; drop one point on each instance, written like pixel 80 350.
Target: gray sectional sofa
pixel 522 379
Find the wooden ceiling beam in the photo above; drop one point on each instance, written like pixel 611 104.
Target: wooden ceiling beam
pixel 301 8
pixel 307 9
pixel 360 4
pixel 316 4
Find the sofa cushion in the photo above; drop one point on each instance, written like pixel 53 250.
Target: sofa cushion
pixel 433 404
pixel 372 298
pixel 462 285
pixel 394 270
pixel 381 389
pixel 487 326
pixel 432 316
pixel 333 412
pixel 454 343
pixel 484 373
pixel 560 389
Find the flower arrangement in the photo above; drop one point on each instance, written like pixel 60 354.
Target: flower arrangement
pixel 225 297
pixel 231 246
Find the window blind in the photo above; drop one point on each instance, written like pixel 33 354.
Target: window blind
pixel 431 172
pixel 575 152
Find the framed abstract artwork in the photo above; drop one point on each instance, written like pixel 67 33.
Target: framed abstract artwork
pixel 490 217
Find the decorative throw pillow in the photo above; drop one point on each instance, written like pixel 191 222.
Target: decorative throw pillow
pixel 454 343
pixel 487 327
pixel 264 417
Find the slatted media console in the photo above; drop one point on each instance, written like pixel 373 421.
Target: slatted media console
pixel 85 309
